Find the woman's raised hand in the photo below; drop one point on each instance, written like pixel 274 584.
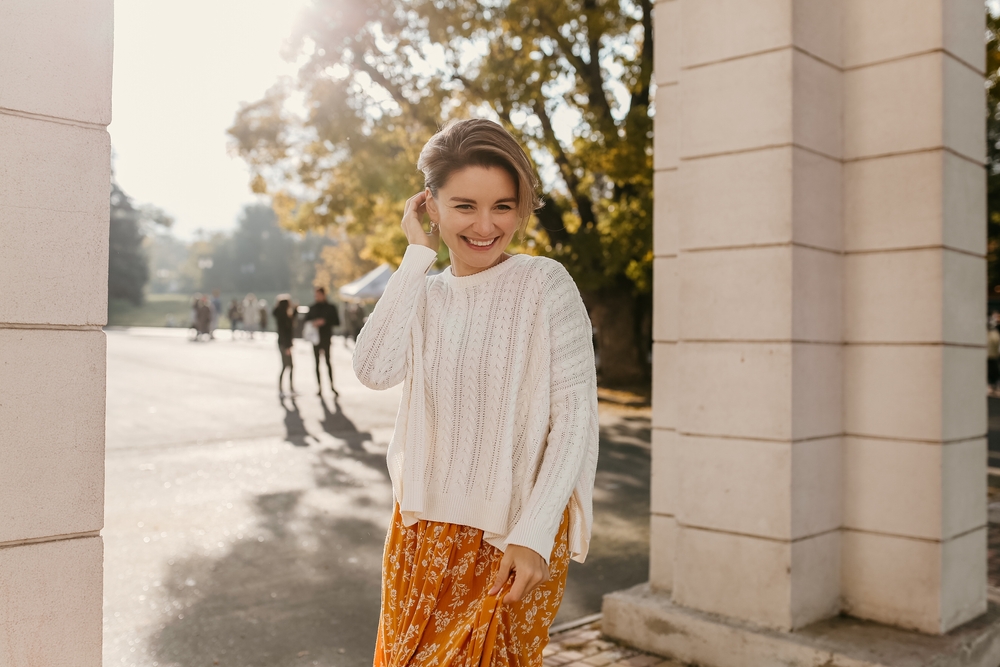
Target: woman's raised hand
pixel 413 225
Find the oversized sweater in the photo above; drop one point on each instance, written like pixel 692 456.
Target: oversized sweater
pixel 497 425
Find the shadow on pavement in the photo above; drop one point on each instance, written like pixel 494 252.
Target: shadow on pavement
pixel 295 597
pixel 619 548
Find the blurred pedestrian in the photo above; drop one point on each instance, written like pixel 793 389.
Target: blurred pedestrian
pixel 992 356
pixel 284 318
pixel 262 314
pixel 204 318
pixel 216 304
pixel 495 450
pixel 354 319
pixel 325 317
pixel 250 314
pixel 235 315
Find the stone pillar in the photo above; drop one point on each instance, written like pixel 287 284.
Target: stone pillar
pixel 914 540
pixel 55 104
pixel 818 407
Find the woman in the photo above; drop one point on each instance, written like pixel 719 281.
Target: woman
pixel 284 316
pixel 494 452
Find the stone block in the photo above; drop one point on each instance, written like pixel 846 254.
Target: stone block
pixel 879 290
pixel 817 398
pixel 666 127
pixel 754 390
pixel 919 103
pixel 50 603
pixel 914 201
pixel 662 551
pixel 666 197
pixel 666 287
pixel 713 124
pixel 769 583
pixel 736 294
pixel 914 392
pixel 51 433
pixel 778 490
pixel 667 54
pixel 910 489
pixel 665 379
pixel 964 487
pixel 964 579
pixel 817 486
pixel 817 218
pixel 817 107
pixel 964 25
pixel 54 203
pixel 735 389
pixel 664 480
pixel 817 295
pixel 817 29
pixel 921 585
pixel 873 32
pixel 716 30
pixel 66 74
pixel 736 199
pixel 964 98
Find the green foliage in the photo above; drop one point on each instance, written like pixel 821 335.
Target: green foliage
pixel 570 78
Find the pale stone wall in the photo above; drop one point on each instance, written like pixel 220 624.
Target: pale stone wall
pixel 818 405
pixel 55 104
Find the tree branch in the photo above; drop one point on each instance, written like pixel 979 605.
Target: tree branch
pixel 584 206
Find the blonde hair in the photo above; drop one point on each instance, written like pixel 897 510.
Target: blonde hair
pixel 477 142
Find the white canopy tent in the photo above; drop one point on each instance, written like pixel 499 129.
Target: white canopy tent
pixel 369 286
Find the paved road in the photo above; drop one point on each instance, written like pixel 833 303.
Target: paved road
pixel 245 530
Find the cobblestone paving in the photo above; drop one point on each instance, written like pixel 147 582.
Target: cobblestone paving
pixel 585 646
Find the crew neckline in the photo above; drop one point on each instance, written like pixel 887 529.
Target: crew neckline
pixel 482 276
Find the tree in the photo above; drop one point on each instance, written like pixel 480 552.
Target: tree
pixel 256 257
pixel 128 270
pixel 993 151
pixel 570 78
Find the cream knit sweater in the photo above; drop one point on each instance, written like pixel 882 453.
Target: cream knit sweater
pixel 497 426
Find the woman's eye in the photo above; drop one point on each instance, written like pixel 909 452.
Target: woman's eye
pixel 503 208
pixel 464 207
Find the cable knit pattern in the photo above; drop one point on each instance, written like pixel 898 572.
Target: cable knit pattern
pixel 497 427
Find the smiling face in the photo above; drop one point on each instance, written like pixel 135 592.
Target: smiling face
pixel 476 212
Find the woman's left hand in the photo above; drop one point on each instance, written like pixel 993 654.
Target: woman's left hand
pixel 529 568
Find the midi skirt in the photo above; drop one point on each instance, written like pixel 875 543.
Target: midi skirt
pixel 436 607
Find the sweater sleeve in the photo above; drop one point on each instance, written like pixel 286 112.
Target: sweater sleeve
pixel 570 454
pixel 382 347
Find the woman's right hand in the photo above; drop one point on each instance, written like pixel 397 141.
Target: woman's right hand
pixel 413 225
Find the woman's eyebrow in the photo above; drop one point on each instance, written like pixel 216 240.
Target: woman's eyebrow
pixel 465 200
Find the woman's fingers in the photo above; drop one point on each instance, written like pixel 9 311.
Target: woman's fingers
pixel 530 570
pixel 412 222
pixel 506 563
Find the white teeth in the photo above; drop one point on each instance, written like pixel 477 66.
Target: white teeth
pixel 480 243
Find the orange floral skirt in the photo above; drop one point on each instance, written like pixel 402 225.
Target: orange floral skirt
pixel 436 607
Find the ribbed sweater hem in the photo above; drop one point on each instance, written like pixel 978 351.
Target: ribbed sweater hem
pixel 490 517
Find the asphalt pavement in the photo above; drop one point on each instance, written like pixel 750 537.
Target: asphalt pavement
pixel 244 529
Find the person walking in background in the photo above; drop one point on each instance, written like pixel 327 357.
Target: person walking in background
pixel 250 314
pixel 992 355
pixel 235 315
pixel 354 319
pixel 325 317
pixel 262 314
pixel 284 319
pixel 216 304
pixel 494 454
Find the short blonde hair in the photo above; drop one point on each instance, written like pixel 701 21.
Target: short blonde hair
pixel 477 142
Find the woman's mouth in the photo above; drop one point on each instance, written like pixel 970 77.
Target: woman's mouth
pixel 480 244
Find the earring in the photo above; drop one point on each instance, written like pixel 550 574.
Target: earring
pixel 434 226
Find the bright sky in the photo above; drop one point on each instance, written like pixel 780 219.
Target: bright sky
pixel 181 69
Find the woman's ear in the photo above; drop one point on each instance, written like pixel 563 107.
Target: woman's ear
pixel 430 205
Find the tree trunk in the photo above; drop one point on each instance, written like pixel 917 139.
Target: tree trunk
pixel 619 338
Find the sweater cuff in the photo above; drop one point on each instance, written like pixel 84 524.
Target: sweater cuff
pixel 417 259
pixel 537 540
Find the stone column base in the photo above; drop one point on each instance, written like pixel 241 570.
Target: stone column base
pixel 649 621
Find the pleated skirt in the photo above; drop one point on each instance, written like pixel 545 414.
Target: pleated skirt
pixel 436 607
